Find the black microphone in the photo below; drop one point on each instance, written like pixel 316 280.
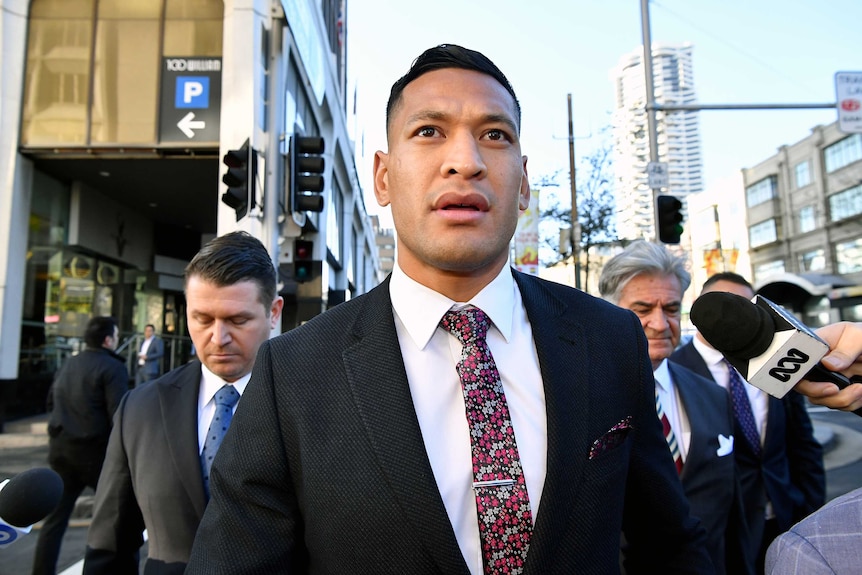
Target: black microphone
pixel 26 499
pixel 769 347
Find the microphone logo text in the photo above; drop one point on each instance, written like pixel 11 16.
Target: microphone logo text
pixel 788 365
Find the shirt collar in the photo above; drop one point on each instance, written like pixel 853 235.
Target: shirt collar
pixel 662 376
pixel 211 383
pixel 710 355
pixel 420 308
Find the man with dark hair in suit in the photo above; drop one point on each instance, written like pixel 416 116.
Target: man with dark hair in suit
pixel 157 468
pixel 149 356
pixel 81 402
pixel 461 417
pixel 649 280
pixel 781 470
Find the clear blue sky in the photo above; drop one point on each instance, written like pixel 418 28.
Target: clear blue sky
pixel 745 51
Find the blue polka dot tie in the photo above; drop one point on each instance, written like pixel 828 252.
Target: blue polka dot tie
pixel 502 503
pixel 742 408
pixel 225 399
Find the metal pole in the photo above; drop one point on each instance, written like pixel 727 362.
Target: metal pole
pixel 575 230
pixel 650 100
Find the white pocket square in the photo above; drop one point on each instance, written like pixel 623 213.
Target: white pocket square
pixel 725 445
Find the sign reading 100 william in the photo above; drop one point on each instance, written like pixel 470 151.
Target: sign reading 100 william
pixel 190 100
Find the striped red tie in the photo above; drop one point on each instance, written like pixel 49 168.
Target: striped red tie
pixel 669 435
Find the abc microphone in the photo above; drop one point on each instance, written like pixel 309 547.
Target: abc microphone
pixel 766 344
pixel 26 499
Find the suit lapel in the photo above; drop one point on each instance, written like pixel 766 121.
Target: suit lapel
pixel 565 367
pixel 178 400
pixel 378 380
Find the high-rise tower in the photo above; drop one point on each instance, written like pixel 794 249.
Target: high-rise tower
pixel 677 134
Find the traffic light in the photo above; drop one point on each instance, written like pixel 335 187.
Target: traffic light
pixel 668 219
pixel 306 174
pixel 303 260
pixel 239 177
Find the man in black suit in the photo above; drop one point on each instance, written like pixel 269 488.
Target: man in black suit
pixel 783 479
pixel 352 451
pixel 649 280
pixel 81 402
pixel 153 475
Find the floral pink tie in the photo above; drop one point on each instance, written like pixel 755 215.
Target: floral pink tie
pixel 505 519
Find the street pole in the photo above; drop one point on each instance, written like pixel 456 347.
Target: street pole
pixel 575 230
pixel 650 100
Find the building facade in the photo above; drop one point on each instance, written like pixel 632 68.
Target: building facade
pixel 677 135
pixel 115 123
pixel 804 217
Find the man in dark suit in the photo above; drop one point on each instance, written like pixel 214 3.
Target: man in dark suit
pixel 649 280
pixel 782 478
pixel 154 476
pixel 81 402
pixel 352 450
pixel 150 356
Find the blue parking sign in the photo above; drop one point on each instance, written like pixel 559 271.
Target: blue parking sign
pixel 192 92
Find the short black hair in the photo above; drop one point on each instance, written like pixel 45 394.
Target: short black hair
pixel 98 328
pixel 727 277
pixel 233 258
pixel 449 56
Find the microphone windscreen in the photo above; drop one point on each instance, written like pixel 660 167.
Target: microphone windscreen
pixel 732 324
pixel 30 496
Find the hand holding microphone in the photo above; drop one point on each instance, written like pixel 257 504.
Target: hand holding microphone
pixel 765 343
pixel 26 499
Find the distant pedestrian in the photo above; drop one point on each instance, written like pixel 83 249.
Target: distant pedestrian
pixel 150 356
pixel 81 404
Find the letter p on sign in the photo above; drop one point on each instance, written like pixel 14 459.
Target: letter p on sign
pixel 192 92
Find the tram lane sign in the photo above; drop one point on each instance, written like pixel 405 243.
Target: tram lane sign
pixel 190 100
pixel 848 98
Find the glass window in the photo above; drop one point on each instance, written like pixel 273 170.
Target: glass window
pixel 761 192
pixel 812 261
pixel 807 219
pixel 848 256
pixel 57 80
pixel 93 66
pixel 763 271
pixel 333 221
pixel 126 72
pixel 846 204
pixel 843 152
pixel 193 28
pixel 803 174
pixel 763 233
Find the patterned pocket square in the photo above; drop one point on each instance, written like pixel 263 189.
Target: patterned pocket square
pixel 612 438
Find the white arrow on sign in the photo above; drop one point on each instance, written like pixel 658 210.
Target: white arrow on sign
pixel 188 123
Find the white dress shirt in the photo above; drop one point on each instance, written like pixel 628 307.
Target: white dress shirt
pixel 144 348
pixel 430 354
pixel 672 407
pixel 758 398
pixel 210 384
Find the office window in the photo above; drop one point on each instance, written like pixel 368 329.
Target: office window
pixel 761 192
pixel 813 261
pixel 803 174
pixel 763 233
pixel 843 152
pixel 807 219
pixel 92 75
pixel 846 204
pixel 848 256
pixel 765 270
